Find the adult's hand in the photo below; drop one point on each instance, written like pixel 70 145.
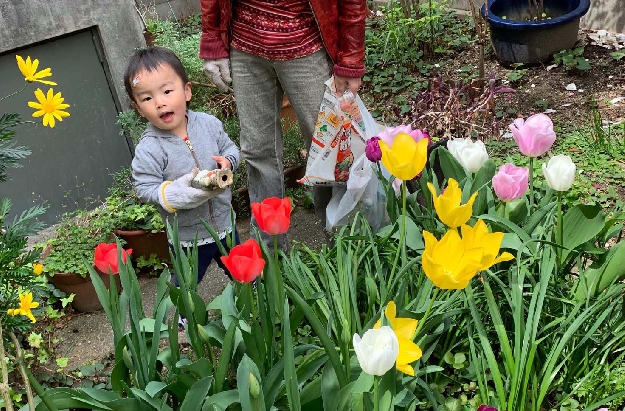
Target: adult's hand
pixel 218 70
pixel 341 84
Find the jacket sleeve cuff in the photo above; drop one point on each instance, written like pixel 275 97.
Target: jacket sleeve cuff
pixel 348 71
pixel 233 162
pixel 162 199
pixel 212 48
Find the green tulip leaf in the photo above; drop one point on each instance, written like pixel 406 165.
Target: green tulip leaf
pixel 450 166
pixel 329 388
pixel 221 400
pixel 250 401
pixel 595 280
pixel 580 224
pixel 195 396
pixel 481 183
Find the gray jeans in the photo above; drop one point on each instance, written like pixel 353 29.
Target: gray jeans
pixel 259 85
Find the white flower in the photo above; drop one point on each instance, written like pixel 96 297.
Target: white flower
pixel 470 154
pixel 377 351
pixel 559 172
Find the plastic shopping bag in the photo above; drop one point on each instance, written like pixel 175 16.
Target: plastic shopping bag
pixel 338 140
pixel 363 191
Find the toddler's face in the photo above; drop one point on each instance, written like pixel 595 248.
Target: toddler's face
pixel 161 97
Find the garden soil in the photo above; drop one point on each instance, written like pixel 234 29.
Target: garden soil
pixel 87 338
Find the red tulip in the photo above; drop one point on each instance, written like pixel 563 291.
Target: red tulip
pixel 273 215
pixel 245 261
pixel 105 257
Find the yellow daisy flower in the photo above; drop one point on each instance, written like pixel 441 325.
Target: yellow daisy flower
pixel 404 329
pixel 50 106
pixel 37 268
pixel 29 70
pixel 26 304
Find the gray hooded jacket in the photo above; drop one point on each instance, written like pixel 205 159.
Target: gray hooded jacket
pixel 162 156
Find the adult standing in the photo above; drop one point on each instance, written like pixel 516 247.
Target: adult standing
pixel 276 47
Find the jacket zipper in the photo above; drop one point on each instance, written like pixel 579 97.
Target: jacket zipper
pixel 197 163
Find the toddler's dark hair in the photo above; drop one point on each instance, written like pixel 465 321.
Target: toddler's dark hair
pixel 150 59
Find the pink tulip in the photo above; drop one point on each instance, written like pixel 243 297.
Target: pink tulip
pixel 388 134
pixel 535 135
pixel 510 182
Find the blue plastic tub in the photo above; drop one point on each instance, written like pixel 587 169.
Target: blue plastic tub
pixel 516 40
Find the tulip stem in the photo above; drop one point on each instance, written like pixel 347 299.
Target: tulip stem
pixel 427 311
pixel 531 183
pixel 559 230
pixel 376 394
pixel 402 233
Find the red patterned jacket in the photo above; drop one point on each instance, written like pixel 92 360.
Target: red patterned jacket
pixel 341 23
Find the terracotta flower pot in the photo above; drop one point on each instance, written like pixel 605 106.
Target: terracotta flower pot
pixel 144 243
pixel 85 298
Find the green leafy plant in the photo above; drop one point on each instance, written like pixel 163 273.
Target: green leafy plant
pixel 618 55
pixel 131 124
pixel 77 235
pixel 572 59
pixel 517 74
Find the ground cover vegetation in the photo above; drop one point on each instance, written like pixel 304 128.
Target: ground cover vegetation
pixel 479 297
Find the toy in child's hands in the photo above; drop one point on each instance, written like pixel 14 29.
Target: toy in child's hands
pixel 209 180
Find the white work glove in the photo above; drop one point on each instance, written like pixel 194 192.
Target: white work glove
pixel 179 195
pixel 218 70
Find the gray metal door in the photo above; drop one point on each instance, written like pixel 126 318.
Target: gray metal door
pixel 71 165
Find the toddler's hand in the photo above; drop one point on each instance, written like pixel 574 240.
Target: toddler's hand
pixel 178 194
pixel 222 162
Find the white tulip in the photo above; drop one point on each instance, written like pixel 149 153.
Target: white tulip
pixel 470 154
pixel 377 351
pixel 559 172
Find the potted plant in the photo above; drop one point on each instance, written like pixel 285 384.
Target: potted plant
pixel 77 236
pixel 524 31
pixel 138 224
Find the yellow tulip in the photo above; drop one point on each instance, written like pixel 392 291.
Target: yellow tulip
pixel 448 263
pixel 405 158
pixel 448 207
pixel 404 329
pixel 480 236
pixel 26 304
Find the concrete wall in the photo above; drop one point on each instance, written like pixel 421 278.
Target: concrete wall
pixel 603 14
pixel 167 9
pixel 25 22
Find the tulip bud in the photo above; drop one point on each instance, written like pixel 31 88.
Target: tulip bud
pixel 204 336
pixel 372 149
pixel 470 154
pixel 559 172
pixel 377 350
pixel 127 357
pixel 254 386
pixel 191 303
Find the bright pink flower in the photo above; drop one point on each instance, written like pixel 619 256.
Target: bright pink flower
pixel 105 257
pixel 510 182
pixel 535 135
pixel 486 408
pixel 388 134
